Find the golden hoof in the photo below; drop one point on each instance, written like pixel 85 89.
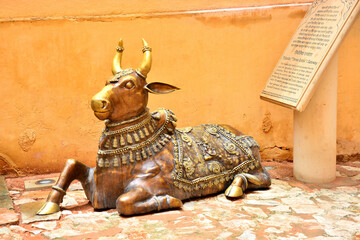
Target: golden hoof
pixel 234 191
pixel 48 208
pixel 253 179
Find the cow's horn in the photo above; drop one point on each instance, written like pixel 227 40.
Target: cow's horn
pixel 145 67
pixel 116 67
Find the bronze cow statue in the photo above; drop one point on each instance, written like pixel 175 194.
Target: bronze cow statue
pixel 145 164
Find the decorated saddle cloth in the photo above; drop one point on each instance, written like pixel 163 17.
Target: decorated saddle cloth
pixel 210 154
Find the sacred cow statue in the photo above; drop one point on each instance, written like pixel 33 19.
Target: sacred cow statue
pixel 145 164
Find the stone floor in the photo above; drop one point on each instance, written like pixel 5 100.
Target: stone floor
pixel 288 210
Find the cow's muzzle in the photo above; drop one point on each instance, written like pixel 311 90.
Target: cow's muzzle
pixel 101 105
pixel 101 108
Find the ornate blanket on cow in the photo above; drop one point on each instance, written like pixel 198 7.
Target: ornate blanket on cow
pixel 209 154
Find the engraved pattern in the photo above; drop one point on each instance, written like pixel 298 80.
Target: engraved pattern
pixel 185 130
pixel 121 74
pixel 230 148
pixel 193 171
pixel 189 166
pixel 147 121
pixel 186 139
pixel 208 152
pixel 108 123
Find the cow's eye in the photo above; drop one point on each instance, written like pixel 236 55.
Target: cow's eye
pixel 129 85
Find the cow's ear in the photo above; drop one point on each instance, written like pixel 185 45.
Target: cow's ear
pixel 160 88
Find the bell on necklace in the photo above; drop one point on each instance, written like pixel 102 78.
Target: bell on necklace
pixel 129 139
pixel 122 141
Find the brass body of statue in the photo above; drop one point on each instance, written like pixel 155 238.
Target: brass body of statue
pixel 145 164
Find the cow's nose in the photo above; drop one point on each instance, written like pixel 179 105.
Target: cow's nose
pixel 100 105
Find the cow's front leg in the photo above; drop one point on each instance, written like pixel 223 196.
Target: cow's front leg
pixel 72 170
pixel 245 181
pixel 140 201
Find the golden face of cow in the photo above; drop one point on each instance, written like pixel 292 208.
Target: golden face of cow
pixel 125 95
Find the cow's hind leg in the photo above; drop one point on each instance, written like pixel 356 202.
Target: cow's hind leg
pixel 72 170
pixel 245 181
pixel 140 201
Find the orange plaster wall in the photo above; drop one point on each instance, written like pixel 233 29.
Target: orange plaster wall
pixel 17 9
pixel 348 125
pixel 51 68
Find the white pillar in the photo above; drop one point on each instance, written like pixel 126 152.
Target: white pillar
pixel 315 131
